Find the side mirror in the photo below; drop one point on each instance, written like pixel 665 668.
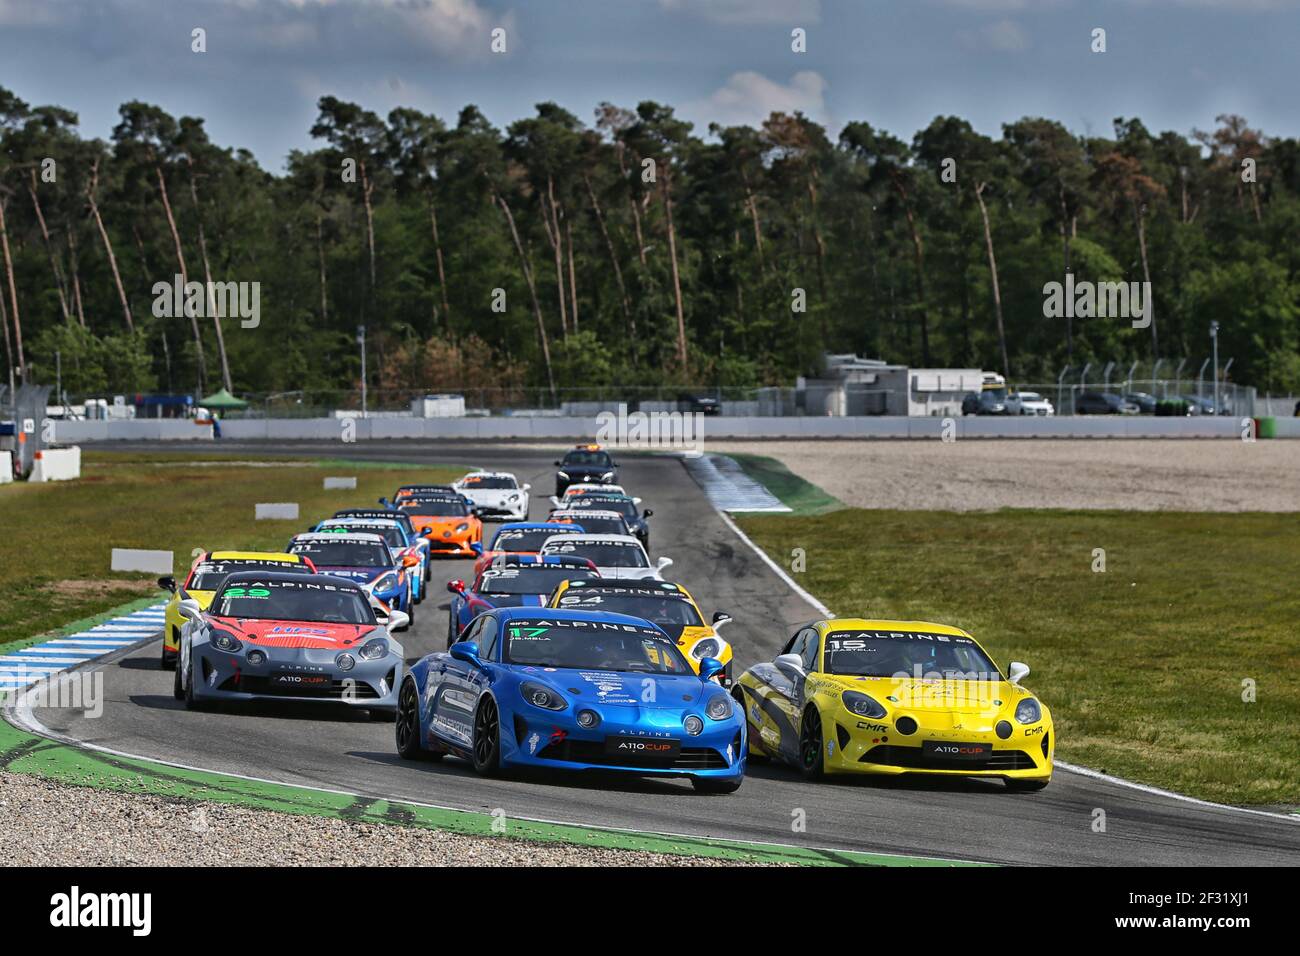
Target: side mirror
pixel 456 587
pixel 410 561
pixel 476 547
pixel 167 583
pixel 720 619
pixel 427 529
pixel 647 513
pixel 1017 672
pixel 397 620
pixel 710 667
pixel 527 487
pixel 663 563
pixel 791 665
pixel 636 501
pixel 557 463
pixel 466 651
pixel 555 501
pixel 190 610
pixel 385 503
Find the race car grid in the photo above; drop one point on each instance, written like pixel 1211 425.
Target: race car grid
pixel 24 667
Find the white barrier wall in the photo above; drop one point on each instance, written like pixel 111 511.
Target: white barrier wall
pixel 56 464
pixel 139 429
pixel 719 427
pixel 6 467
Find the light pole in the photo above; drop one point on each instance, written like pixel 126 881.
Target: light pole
pixel 1214 338
pixel 361 340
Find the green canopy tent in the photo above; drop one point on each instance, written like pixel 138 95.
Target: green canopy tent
pixel 222 401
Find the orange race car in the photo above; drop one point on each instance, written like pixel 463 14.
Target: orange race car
pixel 446 521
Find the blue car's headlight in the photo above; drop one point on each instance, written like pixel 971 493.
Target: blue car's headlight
pixel 541 696
pixel 373 650
pixel 224 641
pixel 386 582
pixel 1028 711
pixel 719 707
pixel 862 705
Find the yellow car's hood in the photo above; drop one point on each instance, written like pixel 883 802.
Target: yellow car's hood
pixel 934 696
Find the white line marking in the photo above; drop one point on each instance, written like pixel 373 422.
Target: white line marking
pixel 33 659
pixel 821 608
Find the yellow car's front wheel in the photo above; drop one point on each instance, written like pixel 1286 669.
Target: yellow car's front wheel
pixel 812 758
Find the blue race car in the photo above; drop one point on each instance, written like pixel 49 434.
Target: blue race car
pixel 402 518
pixel 364 559
pixel 524 585
pixel 399 542
pixel 572 690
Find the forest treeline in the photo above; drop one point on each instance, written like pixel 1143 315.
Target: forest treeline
pixel 633 249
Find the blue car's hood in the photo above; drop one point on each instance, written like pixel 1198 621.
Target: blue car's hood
pixel 621 689
pixel 360 575
pixel 512 600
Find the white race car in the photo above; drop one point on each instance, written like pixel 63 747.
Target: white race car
pixel 495 494
pixel 618 556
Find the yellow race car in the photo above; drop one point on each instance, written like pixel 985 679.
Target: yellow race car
pixel 206 574
pixel 668 605
pixel 896 697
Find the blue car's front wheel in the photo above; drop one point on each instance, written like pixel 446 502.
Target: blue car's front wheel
pixel 487 738
pixel 407 730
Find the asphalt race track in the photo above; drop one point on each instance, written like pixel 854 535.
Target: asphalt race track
pixel 970 820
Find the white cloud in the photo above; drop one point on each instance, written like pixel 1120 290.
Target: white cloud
pixel 792 12
pixel 1004 36
pixel 747 98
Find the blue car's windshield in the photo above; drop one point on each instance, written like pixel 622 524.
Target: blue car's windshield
pixel 344 554
pixel 594 644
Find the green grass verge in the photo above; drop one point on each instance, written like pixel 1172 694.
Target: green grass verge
pixel 1142 665
pixel 21 752
pixel 55 550
pixel 801 497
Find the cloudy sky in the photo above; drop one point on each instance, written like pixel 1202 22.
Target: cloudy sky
pixel 1176 64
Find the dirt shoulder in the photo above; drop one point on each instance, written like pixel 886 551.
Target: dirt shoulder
pixel 1130 474
pixel 43 823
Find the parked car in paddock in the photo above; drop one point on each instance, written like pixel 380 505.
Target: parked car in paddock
pixel 624 505
pixel 591 520
pixel 207 572
pixel 896 697
pixel 446 522
pixel 402 518
pixel 271 635
pixel 399 542
pixel 1102 403
pixel 1029 403
pixel 585 463
pixel 520 537
pixel 524 585
pixel 1146 402
pixel 495 494
pixel 668 606
pixel 617 556
pixel 364 559
pixel 572 690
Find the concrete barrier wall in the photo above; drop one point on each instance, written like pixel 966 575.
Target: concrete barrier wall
pixel 139 429
pixel 551 429
pixel 6 467
pixel 56 464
